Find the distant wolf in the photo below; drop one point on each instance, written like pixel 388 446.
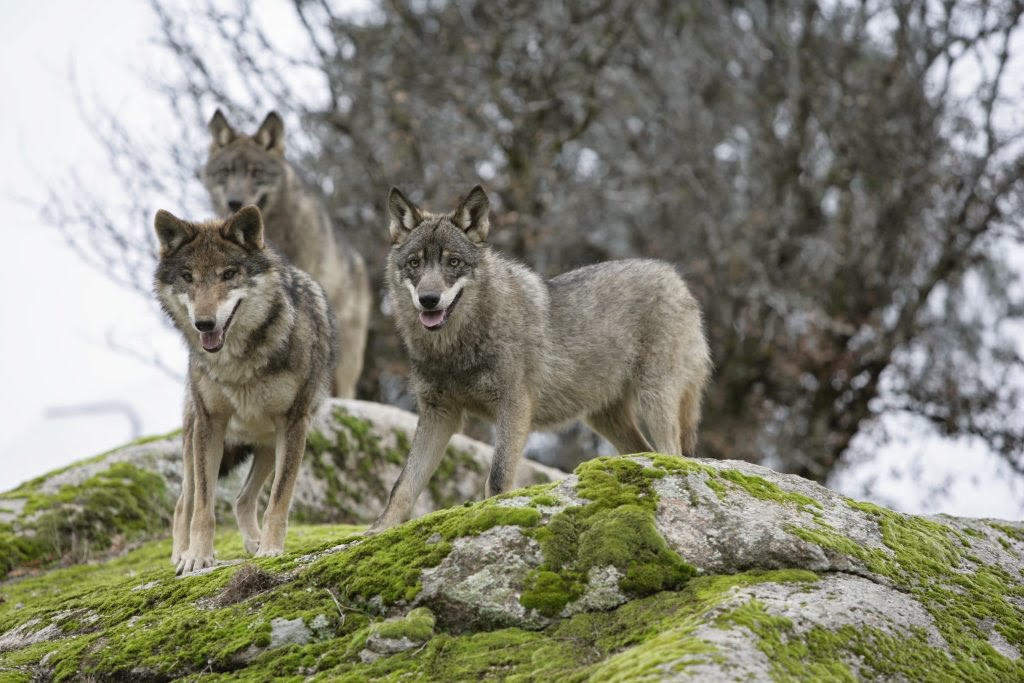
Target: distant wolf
pixel 261 339
pixel 608 343
pixel 251 169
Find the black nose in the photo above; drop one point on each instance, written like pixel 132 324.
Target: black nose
pixel 429 300
pixel 234 206
pixel 205 325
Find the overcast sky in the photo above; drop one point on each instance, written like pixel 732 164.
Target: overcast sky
pixel 58 315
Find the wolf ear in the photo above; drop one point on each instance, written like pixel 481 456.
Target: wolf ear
pixel 473 215
pixel 271 133
pixel 245 228
pixel 404 216
pixel 171 231
pixel 221 132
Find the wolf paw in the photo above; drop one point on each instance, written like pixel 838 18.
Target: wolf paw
pixel 191 563
pixel 269 552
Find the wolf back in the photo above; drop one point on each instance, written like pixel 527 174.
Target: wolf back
pixel 252 169
pixel 261 339
pixel 619 344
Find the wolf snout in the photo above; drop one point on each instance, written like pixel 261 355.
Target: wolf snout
pixel 234 205
pixel 429 300
pixel 205 325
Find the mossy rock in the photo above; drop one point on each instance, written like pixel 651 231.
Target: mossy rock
pixel 644 567
pixel 101 505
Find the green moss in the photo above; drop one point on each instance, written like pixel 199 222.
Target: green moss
pixel 549 592
pixel 388 566
pixel 417 626
pixel 616 528
pixel 80 521
pixel 763 489
pixel 132 612
pixel 544 500
pixel 1016 533
pixel 680 465
pixel 153 626
pixel 930 560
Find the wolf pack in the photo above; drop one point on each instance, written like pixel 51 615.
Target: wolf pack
pixel 274 306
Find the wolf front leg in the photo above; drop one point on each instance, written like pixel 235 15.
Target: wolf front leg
pixel 511 427
pixel 291 445
pixel 433 431
pixel 207 449
pixel 186 501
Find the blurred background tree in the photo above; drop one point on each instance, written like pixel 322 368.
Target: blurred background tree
pixel 840 182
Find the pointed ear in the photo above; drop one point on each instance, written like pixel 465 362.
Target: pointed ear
pixel 271 133
pixel 245 228
pixel 403 214
pixel 221 132
pixel 473 215
pixel 171 231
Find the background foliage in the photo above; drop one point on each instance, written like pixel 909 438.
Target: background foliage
pixel 840 182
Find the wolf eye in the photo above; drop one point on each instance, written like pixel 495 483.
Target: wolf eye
pixel 229 274
pixel 413 262
pixel 187 277
pixel 256 172
pixel 454 262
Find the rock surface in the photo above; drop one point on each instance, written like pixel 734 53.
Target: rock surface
pixel 644 567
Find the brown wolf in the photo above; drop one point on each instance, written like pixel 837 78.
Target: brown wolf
pixel 251 169
pixel 610 343
pixel 261 340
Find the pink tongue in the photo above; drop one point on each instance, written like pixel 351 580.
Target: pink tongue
pixel 431 318
pixel 211 340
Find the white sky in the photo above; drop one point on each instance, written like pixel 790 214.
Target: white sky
pixel 56 312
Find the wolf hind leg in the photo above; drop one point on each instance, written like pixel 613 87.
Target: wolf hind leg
pixel 353 313
pixel 618 424
pixel 689 419
pixel 351 347
pixel 245 502
pixel 660 411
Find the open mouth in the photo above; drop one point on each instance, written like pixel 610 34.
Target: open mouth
pixel 435 320
pixel 213 341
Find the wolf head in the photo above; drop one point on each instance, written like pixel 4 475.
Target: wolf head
pixel 435 257
pixel 245 169
pixel 206 271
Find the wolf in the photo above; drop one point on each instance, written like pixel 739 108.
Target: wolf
pixel 609 343
pixel 261 338
pixel 252 169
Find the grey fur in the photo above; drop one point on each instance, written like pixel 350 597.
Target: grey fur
pixel 608 343
pixel 252 169
pixel 256 374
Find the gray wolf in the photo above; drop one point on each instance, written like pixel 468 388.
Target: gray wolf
pixel 609 343
pixel 261 339
pixel 252 169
